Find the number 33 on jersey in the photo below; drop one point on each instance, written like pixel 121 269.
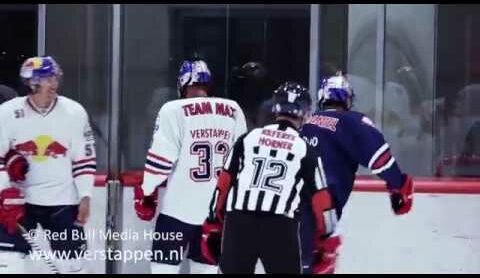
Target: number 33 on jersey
pixel 191 140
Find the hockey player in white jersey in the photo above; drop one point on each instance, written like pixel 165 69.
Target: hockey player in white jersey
pixel 192 136
pixel 48 161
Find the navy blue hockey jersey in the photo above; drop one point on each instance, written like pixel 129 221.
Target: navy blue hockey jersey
pixel 345 139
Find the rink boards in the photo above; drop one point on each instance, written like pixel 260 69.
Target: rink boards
pixel 440 235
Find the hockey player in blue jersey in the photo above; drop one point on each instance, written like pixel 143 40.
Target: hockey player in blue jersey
pixel 344 139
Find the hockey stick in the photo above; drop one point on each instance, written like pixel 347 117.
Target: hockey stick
pixel 36 248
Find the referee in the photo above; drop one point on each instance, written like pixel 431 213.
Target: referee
pixel 265 176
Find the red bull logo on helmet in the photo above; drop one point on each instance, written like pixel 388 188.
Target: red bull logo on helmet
pixel 41 148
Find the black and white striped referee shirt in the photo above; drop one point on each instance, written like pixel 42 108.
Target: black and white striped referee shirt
pixel 270 166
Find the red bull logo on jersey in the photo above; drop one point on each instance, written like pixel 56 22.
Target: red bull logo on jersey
pixel 41 148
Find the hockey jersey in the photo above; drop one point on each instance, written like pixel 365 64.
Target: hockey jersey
pixel 191 139
pixel 58 144
pixel 344 140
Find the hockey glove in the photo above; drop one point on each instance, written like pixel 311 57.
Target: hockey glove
pixel 145 206
pixel 211 240
pixel 325 255
pixel 402 199
pixel 12 208
pixel 17 166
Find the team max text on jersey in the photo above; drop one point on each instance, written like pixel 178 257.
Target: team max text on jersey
pixel 205 108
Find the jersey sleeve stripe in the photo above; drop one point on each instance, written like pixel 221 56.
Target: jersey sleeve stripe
pixel 385 167
pixel 84 161
pixel 320 178
pixel 84 173
pixel 382 160
pixel 377 154
pixel 148 170
pixel 157 165
pixel 87 166
pixel 158 157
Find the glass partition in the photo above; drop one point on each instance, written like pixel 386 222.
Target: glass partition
pixel 408 86
pixel 78 37
pixel 19 37
pixel 457 94
pixel 414 68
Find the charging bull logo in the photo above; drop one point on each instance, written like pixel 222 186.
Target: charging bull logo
pixel 41 148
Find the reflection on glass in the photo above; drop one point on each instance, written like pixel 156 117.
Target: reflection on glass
pixel 408 93
pixel 362 56
pixel 457 99
pixel 78 38
pixel 156 39
pixel 250 50
pixel 267 45
pixel 19 40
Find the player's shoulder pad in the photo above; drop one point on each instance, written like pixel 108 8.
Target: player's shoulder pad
pixel 73 107
pixel 12 104
pixel 359 118
pixel 230 102
pixel 173 106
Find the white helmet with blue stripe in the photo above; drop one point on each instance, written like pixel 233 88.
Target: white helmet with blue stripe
pixel 193 73
pixel 336 90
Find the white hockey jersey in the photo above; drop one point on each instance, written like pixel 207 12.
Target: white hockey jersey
pixel 190 142
pixel 58 144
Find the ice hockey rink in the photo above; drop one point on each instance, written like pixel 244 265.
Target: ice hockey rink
pixel 440 235
pixel 414 69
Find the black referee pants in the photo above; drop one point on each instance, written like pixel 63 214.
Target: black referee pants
pixel 248 236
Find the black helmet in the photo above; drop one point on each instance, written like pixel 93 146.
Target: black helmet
pixel 291 99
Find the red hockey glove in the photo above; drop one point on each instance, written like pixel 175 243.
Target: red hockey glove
pixel 402 199
pixel 145 206
pixel 17 166
pixel 211 243
pixel 325 255
pixel 12 208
